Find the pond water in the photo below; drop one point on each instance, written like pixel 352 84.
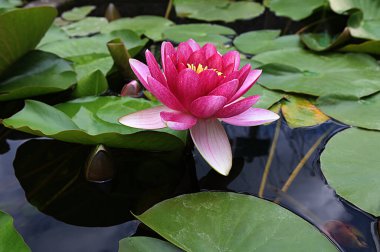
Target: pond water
pixel 56 209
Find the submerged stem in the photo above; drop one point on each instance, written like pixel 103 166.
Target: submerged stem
pixel 169 9
pixel 270 158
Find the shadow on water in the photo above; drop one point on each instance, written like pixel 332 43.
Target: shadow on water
pixel 77 215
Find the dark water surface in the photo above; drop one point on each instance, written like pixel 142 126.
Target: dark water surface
pixel 55 208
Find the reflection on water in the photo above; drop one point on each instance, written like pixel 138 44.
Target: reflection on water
pixel 52 175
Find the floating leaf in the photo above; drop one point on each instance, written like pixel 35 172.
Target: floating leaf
pixel 54 33
pixel 372 46
pixel 85 27
pixel 350 163
pixel 267 97
pixel 219 221
pixel 202 33
pixel 78 13
pixel 300 112
pixel 104 64
pixel 78 121
pixel 255 42
pixel 362 112
pixel 7 4
pixel 37 73
pixel 93 84
pixel 28 26
pixel 294 9
pixel 323 41
pixel 299 71
pixel 10 240
pixel 145 244
pixel 150 26
pixel 364 18
pixel 218 10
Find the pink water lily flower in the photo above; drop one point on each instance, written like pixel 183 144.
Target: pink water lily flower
pixel 198 88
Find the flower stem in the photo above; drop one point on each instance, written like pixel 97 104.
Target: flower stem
pixel 169 9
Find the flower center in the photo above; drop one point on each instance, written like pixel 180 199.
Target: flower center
pixel 201 68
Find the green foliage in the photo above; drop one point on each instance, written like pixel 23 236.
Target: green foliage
pixel 219 221
pixel 93 120
pixel 85 27
pixel 28 27
pixel 78 13
pixel 145 244
pixel 350 163
pixel 10 240
pixel 218 10
pixel 294 9
pixel 92 84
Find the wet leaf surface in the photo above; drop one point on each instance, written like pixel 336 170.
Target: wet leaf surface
pixel 294 9
pixel 10 240
pixel 146 244
pixel 78 13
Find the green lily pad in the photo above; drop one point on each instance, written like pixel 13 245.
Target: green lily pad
pixel 202 33
pixel 85 27
pixel 6 4
pixel 294 9
pixel 37 73
pixel 220 221
pixel 54 34
pixel 350 163
pixel 28 27
pixel 10 240
pixel 78 13
pixel 364 18
pixel 103 64
pixel 299 71
pixel 218 10
pixel 94 83
pixel 145 244
pixel 150 26
pixel 267 97
pixel 362 112
pixel 323 41
pixel 78 121
pixel 372 46
pixel 264 40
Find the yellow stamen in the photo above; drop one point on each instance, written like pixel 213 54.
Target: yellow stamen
pixel 200 69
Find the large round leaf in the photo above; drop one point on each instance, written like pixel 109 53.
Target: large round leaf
pixel 77 121
pixel 364 21
pixel 299 71
pixel 217 221
pixel 218 10
pixel 10 240
pixel 255 42
pixel 86 26
pixel 78 13
pixel 362 113
pixel 294 9
pixel 20 32
pixel 150 26
pixel 350 163
pixel 145 244
pixel 37 73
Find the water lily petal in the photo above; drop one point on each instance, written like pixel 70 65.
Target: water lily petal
pixel 197 58
pixel 243 73
pixel 178 121
pixel 164 95
pixel 171 74
pixel 211 140
pixel 154 68
pixel 141 71
pixel 194 45
pixel 145 119
pixel 232 57
pixel 215 62
pixel 209 50
pixel 207 106
pixel 252 117
pixel 188 86
pixel 252 77
pixel 208 81
pixel 237 107
pixel 227 89
pixel 167 50
pixel 183 52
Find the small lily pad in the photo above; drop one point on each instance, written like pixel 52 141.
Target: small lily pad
pixel 150 26
pixel 255 42
pixel 323 41
pixel 267 97
pixel 85 27
pixel 350 163
pixel 294 9
pixel 78 13
pixel 218 10
pixel 372 47
pixel 363 112
pixel 37 73
pixel 220 221
pixel 299 71
pixel 10 240
pixel 145 244
pixel 77 121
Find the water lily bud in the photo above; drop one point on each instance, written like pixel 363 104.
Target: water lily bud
pixel 131 89
pixel 99 166
pixel 112 13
